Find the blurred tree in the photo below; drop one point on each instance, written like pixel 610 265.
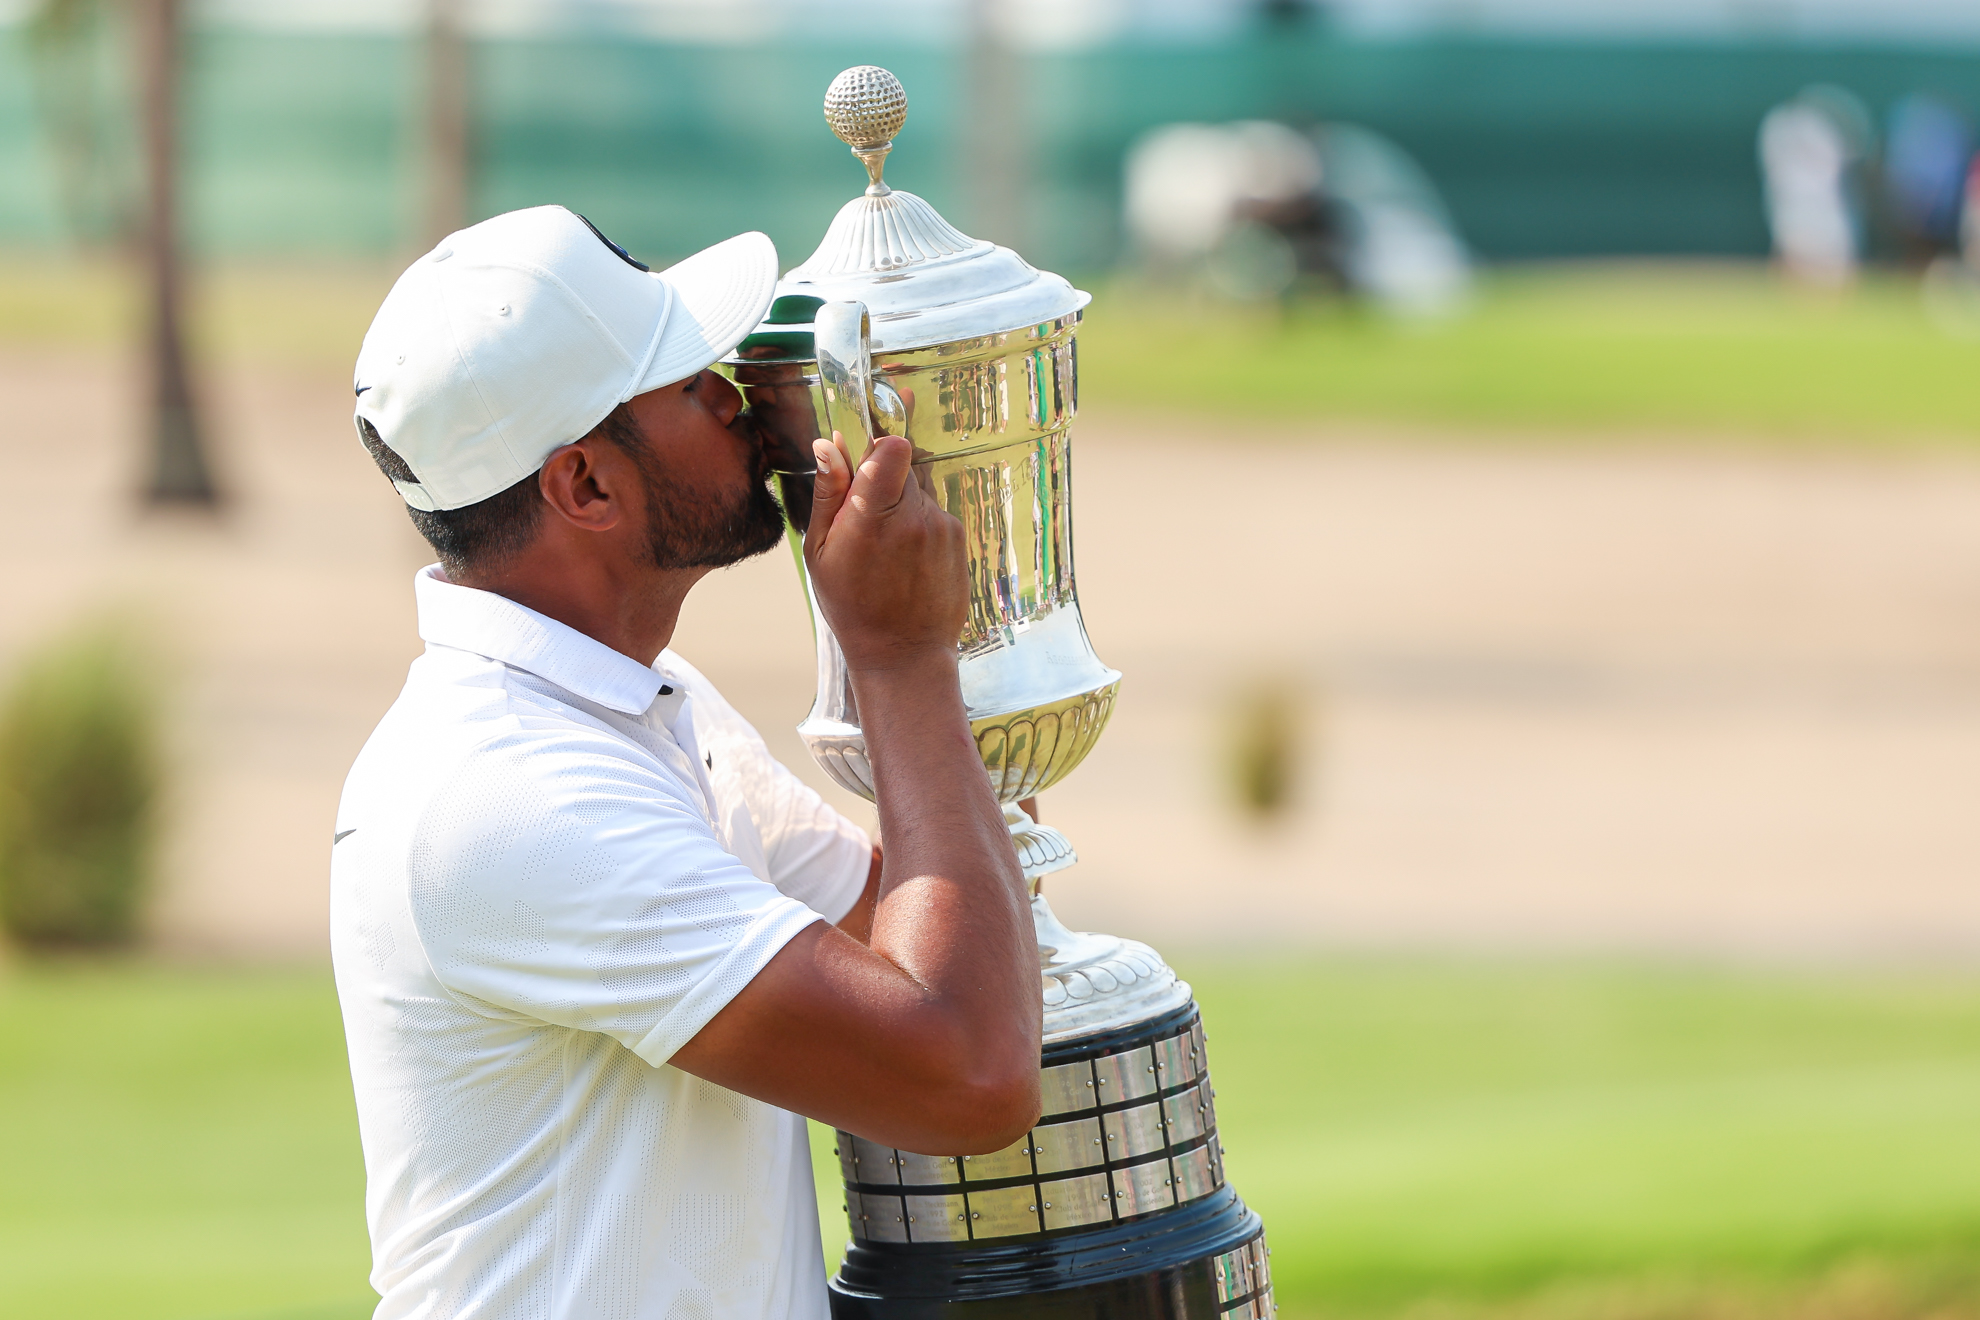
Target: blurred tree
pixel 448 130
pixel 179 471
pixel 79 771
pixel 67 41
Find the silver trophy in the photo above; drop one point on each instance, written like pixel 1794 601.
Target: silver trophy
pixel 1116 1203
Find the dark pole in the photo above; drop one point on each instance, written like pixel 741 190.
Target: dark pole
pixel 179 473
pixel 447 145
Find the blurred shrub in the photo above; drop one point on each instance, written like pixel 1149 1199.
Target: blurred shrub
pixel 79 773
pixel 1264 755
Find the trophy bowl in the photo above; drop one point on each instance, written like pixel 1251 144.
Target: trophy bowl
pixel 899 324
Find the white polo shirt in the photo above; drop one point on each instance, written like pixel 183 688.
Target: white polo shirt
pixel 553 865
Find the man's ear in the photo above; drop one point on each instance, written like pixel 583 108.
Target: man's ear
pixel 586 484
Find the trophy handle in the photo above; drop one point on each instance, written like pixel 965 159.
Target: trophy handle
pixel 860 407
pixel 858 404
pixel 843 336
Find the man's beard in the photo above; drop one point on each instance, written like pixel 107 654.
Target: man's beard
pixel 684 531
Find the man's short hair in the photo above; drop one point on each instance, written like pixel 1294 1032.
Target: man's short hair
pixel 482 535
pixel 475 537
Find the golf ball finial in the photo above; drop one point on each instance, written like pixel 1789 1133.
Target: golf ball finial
pixel 866 106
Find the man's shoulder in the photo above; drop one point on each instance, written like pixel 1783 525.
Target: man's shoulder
pixel 508 797
pixel 465 719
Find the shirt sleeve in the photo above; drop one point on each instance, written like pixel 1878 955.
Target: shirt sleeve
pixel 814 853
pixel 558 877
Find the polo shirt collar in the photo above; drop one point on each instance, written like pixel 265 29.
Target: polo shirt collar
pixel 484 623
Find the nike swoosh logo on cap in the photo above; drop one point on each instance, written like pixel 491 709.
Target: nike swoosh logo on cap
pixel 341 835
pixel 618 251
pixel 362 388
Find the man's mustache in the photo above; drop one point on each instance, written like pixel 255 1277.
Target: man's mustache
pixel 776 453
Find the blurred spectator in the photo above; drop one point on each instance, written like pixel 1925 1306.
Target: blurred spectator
pixel 1925 169
pixel 1256 206
pixel 1813 150
pixel 1189 185
pixel 1401 247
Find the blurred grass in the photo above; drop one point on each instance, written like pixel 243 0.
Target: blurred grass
pixel 1482 1131
pixel 1568 349
pixel 180 1143
pixel 1509 1140
pixel 1423 1138
pixel 1661 350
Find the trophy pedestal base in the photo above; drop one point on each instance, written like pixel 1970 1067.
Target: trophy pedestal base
pixel 1113 1207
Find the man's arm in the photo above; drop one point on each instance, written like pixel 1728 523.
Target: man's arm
pixel 858 923
pixel 926 1037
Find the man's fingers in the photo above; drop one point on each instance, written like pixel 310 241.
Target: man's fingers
pixel 882 475
pixel 828 491
pixel 886 562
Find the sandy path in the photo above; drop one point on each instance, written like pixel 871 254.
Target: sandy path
pixel 1598 699
pixel 1594 700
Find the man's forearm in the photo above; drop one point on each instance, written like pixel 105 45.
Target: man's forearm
pixel 953 907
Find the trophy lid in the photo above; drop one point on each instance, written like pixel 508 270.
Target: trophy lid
pixel 924 282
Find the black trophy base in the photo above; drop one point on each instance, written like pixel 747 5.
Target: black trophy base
pixel 1163 1267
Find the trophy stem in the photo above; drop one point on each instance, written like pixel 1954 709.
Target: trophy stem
pixel 1041 849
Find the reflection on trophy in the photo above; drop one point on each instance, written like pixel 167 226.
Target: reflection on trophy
pixel 1116 1203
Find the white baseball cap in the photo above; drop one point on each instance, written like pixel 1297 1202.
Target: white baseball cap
pixel 520 334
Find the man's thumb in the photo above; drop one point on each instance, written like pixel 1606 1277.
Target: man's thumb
pixel 882 477
pixel 828 490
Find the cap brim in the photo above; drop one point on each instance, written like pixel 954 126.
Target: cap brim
pixel 720 294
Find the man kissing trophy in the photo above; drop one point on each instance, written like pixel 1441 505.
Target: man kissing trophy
pixel 1116 1203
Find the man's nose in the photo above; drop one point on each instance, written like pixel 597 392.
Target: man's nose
pixel 725 400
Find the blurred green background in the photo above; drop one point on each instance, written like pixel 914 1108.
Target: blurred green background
pixel 1544 144
pixel 1430 1136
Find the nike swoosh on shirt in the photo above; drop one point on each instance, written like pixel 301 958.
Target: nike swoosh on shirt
pixel 362 388
pixel 341 835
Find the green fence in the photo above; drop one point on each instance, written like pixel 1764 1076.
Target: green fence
pixel 306 143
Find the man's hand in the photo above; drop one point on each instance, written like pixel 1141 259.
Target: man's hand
pixel 926 1037
pixel 886 562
